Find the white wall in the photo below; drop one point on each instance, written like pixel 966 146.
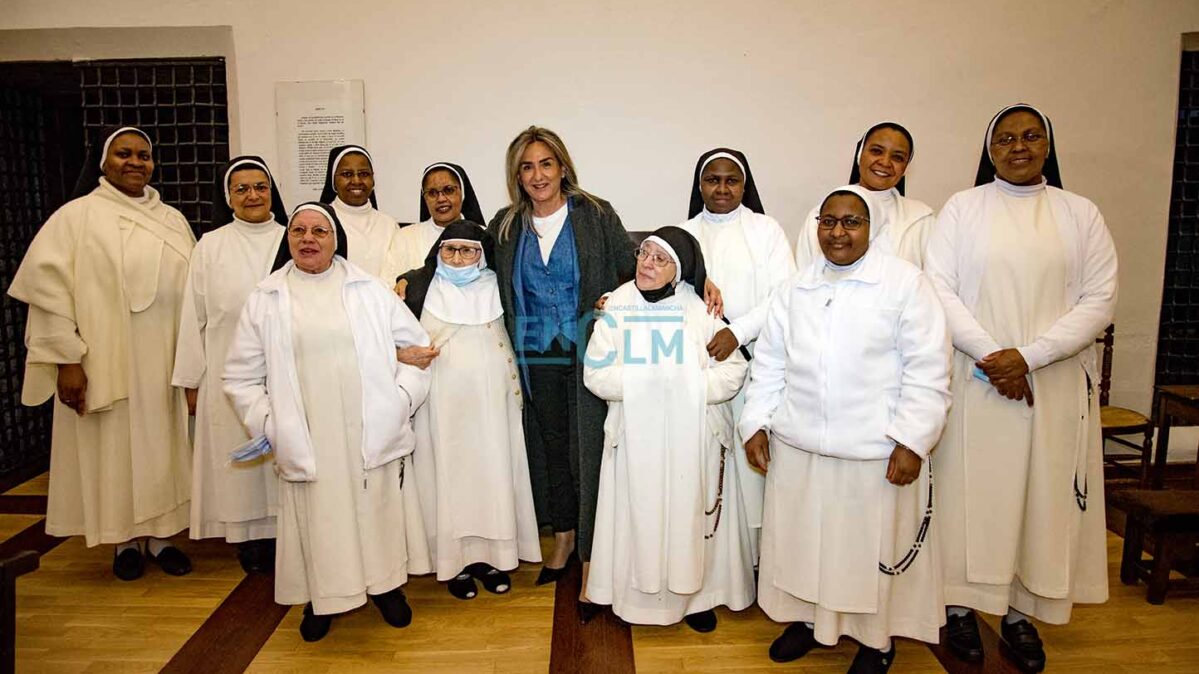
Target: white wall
pixel 639 89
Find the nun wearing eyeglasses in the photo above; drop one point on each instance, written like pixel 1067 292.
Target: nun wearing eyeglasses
pixel 747 256
pixel 1027 274
pixel 671 539
pixel 104 281
pixel 880 164
pixel 446 196
pixel 350 190
pixel 312 370
pixel 470 456
pixel 230 500
pixel 847 396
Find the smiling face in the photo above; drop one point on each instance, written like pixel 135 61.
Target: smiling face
pixel 443 196
pixel 655 267
pixel 354 179
pixel 1019 147
pixel 250 195
pixel 128 164
pixel 540 175
pixel 312 241
pixel 722 186
pixel 843 246
pixel 884 159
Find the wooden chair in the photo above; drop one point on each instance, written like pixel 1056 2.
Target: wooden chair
pixel 1118 422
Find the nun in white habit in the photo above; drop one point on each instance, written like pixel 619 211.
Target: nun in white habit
pixel 350 190
pixel 747 257
pixel 847 396
pixel 104 281
pixel 230 500
pixel 470 455
pixel 880 163
pixel 312 369
pixel 671 538
pixel 1027 274
pixel 446 196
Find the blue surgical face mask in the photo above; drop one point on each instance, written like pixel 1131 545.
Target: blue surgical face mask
pixel 459 276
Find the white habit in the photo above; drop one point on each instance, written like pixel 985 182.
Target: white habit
pixel 412 244
pixel 670 539
pixel 1032 268
pixel 313 367
pixel 104 281
pixel 470 456
pixel 234 501
pixel 747 256
pixel 850 363
pixel 371 239
pixel 903 230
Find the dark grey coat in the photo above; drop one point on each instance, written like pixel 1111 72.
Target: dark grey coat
pixel 605 257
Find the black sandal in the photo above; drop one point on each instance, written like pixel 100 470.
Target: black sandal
pixel 463 586
pixel 494 580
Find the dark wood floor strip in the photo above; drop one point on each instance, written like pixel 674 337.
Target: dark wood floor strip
pixel 232 636
pixel 32 537
pixel 993 662
pixel 602 646
pixel 22 505
pixel 22 475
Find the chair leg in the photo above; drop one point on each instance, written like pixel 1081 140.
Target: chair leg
pixel 1146 457
pixel 1159 576
pixel 1134 538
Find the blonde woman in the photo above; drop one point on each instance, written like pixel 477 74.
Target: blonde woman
pixel 558 249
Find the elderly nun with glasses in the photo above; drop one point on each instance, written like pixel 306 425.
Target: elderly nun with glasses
pixel 313 375
pixel 671 537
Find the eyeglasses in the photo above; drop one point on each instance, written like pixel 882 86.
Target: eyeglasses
pixel 1029 138
pixel 317 232
pixel 362 174
pixel 659 260
pixel 849 223
pixel 467 253
pixel 243 190
pixel 448 192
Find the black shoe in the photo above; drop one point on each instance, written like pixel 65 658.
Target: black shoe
pixel 129 565
pixel 493 580
pixel 793 643
pixel 314 627
pixel 549 575
pixel 257 556
pixel 961 637
pixel 463 586
pixel 588 611
pixel 394 607
pixel 172 561
pixel 1022 645
pixel 702 622
pixel 872 661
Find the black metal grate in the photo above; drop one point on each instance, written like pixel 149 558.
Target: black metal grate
pixel 25 202
pixel 1178 330
pixel 183 105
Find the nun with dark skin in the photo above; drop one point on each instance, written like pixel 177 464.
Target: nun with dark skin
pixel 848 392
pixel 104 280
pixel 1027 272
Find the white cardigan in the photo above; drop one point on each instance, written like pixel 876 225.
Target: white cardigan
pixel 847 368
pixel 260 372
pixel 956 261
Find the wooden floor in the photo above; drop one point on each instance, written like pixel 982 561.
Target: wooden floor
pixel 73 616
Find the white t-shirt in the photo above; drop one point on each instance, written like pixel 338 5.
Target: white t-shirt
pixel 548 229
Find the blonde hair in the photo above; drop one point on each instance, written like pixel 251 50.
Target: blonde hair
pixel 521 205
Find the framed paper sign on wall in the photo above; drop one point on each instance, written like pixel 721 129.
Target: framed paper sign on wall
pixel 310 118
